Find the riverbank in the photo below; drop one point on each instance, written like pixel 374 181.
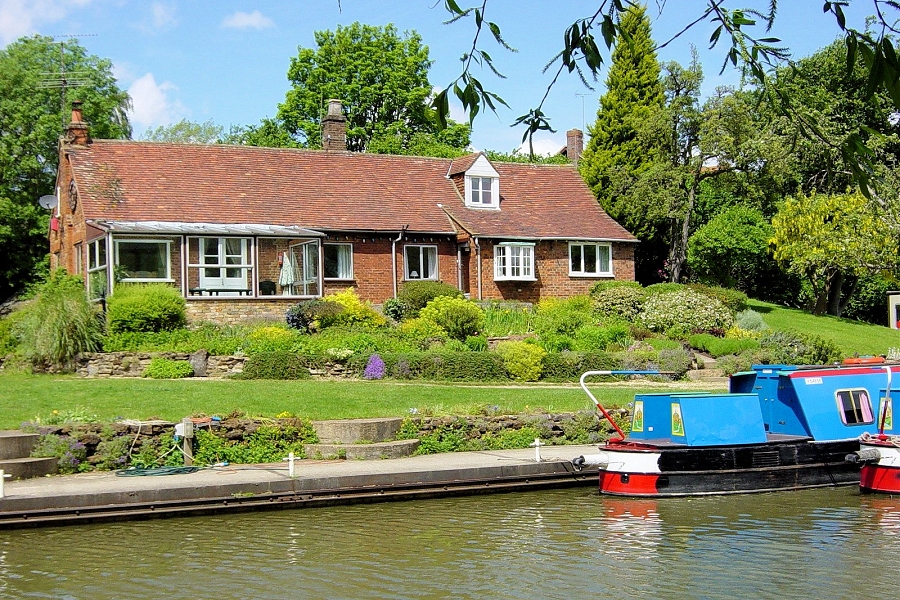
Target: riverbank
pixel 98 497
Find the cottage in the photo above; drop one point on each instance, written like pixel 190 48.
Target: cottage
pixel 245 231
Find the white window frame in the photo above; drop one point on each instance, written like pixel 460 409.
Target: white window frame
pixel 514 261
pixel 345 273
pixel 168 245
pixel 96 266
pixel 407 267
pixel 596 248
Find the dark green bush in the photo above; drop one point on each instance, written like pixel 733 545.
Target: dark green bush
pixel 394 308
pixel 791 348
pixel 716 346
pixel 591 338
pixel 569 366
pixel 416 294
pixel 735 300
pixel 145 307
pixel 869 301
pixel 620 302
pixel 275 365
pixel 268 444
pixel 217 340
pixel 440 366
pixel 166 368
pixel 304 316
pixel 477 343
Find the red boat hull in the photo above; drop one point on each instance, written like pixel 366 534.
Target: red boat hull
pixel 879 478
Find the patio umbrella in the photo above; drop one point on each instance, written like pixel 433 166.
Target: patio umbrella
pixel 286 278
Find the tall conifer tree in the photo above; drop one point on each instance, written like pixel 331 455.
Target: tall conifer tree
pixel 633 95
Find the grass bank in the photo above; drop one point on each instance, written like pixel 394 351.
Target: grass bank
pixel 24 397
pixel 852 337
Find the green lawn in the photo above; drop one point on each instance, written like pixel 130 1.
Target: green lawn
pixel 24 397
pixel 853 337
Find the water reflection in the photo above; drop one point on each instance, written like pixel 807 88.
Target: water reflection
pixel 832 543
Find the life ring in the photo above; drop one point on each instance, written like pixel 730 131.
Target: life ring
pixel 864 360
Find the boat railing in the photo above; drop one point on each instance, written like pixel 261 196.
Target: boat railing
pixel 599 406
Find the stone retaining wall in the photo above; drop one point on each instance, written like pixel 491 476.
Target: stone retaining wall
pixel 133 364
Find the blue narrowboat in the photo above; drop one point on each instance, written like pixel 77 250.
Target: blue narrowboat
pixel 779 427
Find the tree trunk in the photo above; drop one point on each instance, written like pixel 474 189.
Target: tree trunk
pixel 678 255
pixel 834 286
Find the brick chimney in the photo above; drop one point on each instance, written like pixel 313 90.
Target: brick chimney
pixel 334 128
pixel 77 130
pixel 574 145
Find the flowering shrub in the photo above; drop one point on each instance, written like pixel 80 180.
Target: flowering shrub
pixel 421 332
pixel 683 312
pixel 374 368
pixel 269 339
pixel 70 452
pixel 562 317
pixel 522 360
pixel 623 302
pixel 459 317
pixel 356 312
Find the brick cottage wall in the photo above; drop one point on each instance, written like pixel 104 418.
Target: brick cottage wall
pixel 553 280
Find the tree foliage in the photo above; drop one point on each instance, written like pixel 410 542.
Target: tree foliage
pixel 830 239
pixel 633 95
pixel 186 132
pixel 380 77
pixel 31 122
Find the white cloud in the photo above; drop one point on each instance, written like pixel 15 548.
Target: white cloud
pixel 151 104
pixel 22 17
pixel 163 15
pixel 242 20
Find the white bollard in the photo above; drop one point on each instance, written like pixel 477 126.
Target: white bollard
pixel 537 449
pixel 2 477
pixel 290 459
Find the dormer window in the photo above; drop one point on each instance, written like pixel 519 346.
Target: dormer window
pixel 482 185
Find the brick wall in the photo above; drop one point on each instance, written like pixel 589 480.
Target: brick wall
pixel 553 280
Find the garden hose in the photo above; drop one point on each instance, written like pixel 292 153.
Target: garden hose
pixel 142 471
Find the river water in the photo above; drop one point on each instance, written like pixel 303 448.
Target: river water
pixel 567 544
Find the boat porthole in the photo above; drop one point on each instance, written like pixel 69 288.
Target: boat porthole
pixel 624 478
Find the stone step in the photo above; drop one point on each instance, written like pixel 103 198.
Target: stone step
pixel 354 431
pixel 26 468
pixel 16 444
pixel 375 451
pixel 706 374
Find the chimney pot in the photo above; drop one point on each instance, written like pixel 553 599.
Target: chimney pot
pixel 77 130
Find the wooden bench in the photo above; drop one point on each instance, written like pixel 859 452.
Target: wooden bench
pixel 200 291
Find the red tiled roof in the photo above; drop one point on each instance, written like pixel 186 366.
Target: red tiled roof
pixel 146 181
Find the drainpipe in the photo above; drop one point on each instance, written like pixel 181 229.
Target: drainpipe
pixel 459 282
pixel 478 263
pixel 394 256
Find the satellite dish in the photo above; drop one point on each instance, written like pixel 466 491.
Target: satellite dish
pixel 48 202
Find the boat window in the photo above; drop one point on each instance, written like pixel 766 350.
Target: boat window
pixel 855 407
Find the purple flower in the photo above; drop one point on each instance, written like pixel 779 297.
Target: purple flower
pixel 374 368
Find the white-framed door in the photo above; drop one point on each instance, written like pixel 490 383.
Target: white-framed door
pixel 222 263
pixel 305 264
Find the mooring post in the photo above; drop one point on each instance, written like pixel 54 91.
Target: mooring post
pixel 537 449
pixel 290 458
pixel 3 476
pixel 188 441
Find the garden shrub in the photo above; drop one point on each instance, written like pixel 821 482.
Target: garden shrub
pixel 620 302
pixel 869 301
pixel 421 333
pixel 603 286
pixel 460 318
pixel 790 348
pixel 662 343
pixel 166 368
pixel 275 365
pixel 394 308
pixel 442 366
pixel 417 294
pixel 591 338
pixel 521 359
pixel 268 444
pixel 553 316
pixel 750 320
pixel 305 316
pixel 218 340
pixel 8 341
pixel 451 437
pixel 375 368
pixel 355 313
pixel 569 366
pixel 663 288
pixel 58 323
pixel 269 339
pixel 735 300
pixel 507 318
pixel 145 307
pixel 684 312
pixel 677 361
pixel 70 452
pixel 716 346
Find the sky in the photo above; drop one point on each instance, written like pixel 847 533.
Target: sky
pixel 227 60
